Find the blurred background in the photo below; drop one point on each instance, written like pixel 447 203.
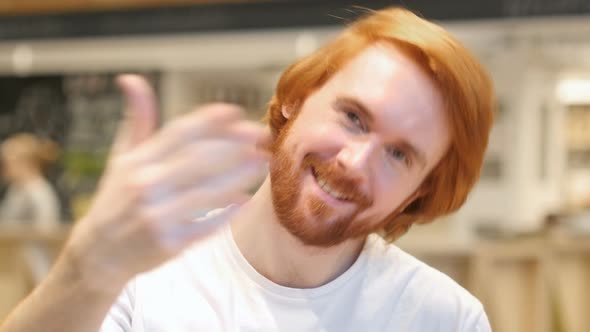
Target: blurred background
pixel 520 244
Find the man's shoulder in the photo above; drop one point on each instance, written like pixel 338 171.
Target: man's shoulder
pixel 389 258
pixel 416 287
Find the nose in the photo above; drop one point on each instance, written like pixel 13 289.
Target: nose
pixel 355 157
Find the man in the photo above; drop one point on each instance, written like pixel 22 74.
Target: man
pixel 383 127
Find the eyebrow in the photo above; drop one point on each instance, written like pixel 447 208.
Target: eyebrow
pixel 358 106
pixel 366 114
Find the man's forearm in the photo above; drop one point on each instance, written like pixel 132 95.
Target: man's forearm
pixel 63 302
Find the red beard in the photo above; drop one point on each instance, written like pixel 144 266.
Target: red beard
pixel 325 227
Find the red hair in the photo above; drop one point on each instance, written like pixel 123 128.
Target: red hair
pixel 465 86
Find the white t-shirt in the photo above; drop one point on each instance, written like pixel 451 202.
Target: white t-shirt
pixel 212 287
pixel 34 203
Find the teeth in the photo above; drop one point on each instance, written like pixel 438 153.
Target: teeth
pixel 330 190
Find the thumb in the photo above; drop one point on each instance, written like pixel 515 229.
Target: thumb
pixel 140 118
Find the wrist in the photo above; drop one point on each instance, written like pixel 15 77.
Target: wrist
pixel 76 268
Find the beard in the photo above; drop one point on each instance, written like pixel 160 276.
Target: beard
pixel 306 216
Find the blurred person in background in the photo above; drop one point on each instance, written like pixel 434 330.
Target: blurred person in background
pixel 30 199
pixel 382 128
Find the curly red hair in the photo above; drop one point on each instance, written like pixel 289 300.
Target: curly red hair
pixel 464 84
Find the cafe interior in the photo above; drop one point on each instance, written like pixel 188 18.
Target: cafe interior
pixel 521 242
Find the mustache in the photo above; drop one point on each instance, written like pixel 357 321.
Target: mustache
pixel 337 179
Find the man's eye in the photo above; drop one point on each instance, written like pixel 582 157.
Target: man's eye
pixel 397 154
pixel 355 119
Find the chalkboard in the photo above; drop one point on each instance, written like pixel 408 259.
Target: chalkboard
pixel 79 112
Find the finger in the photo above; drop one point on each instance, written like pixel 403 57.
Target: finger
pixel 245 177
pixel 185 207
pixel 264 141
pixel 121 140
pixel 198 162
pixel 200 228
pixel 213 121
pixel 140 115
pixel 260 134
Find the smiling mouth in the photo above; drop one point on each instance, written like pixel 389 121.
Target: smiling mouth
pixel 327 189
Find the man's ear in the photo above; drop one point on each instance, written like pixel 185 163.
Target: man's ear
pixel 286 111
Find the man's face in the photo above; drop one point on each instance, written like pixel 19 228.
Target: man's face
pixel 358 148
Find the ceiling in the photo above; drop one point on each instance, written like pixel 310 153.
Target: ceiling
pixel 61 19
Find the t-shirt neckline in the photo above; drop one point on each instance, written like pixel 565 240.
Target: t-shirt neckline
pixel 295 293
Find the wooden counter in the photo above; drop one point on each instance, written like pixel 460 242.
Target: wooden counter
pixel 536 284
pixel 15 273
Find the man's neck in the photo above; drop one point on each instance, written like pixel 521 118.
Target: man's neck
pixel 278 255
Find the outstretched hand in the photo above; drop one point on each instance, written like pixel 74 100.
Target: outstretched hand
pixel 158 181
